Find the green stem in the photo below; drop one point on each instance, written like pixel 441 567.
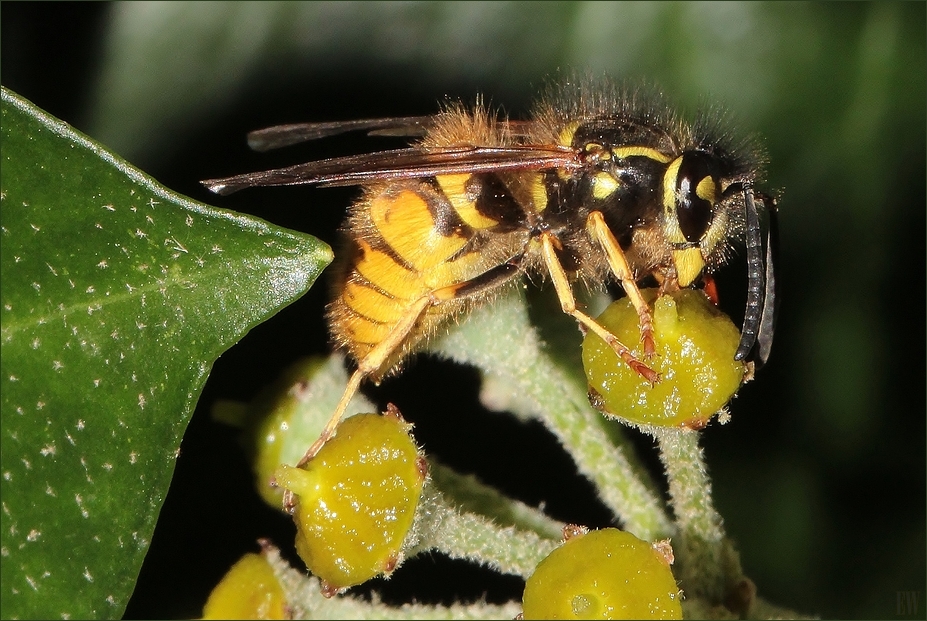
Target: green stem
pixel 707 563
pixel 470 494
pixel 507 549
pixel 305 600
pixel 524 376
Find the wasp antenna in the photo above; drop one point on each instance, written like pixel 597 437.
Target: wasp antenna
pixel 756 277
pixel 767 325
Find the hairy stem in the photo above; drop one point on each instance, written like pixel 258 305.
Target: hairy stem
pixel 707 563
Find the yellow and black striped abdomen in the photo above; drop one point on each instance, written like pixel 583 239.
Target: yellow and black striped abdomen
pixel 410 239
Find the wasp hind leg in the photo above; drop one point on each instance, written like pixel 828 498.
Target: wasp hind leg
pixel 367 365
pixel 568 304
pixel 382 351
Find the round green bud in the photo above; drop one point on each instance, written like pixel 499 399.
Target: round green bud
pixel 603 574
pixel 695 346
pixel 248 591
pixel 356 499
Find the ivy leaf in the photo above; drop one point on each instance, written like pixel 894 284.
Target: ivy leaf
pixel 116 298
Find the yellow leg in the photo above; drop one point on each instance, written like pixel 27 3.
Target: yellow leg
pixel 385 348
pixel 367 365
pixel 619 264
pixel 568 304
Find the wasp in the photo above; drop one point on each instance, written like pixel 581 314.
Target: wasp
pixel 602 183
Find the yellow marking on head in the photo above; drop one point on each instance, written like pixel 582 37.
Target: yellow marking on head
pixel 636 151
pixel 604 185
pixel 408 227
pixel 671 229
pixel 689 264
pixel 707 190
pixel 455 189
pixel 716 233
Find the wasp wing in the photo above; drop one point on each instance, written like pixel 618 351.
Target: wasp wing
pixel 286 135
pixel 410 163
pixel 400 127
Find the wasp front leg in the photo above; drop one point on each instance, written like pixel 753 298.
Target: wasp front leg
pixel 618 263
pixel 549 244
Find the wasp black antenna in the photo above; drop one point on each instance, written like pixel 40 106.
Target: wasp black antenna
pixel 759 316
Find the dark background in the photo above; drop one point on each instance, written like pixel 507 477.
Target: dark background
pixel 819 476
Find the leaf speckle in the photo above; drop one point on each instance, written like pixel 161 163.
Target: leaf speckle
pixel 83 462
pixel 65 371
pixel 80 503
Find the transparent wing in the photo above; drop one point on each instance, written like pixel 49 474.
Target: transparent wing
pixel 409 163
pixel 286 135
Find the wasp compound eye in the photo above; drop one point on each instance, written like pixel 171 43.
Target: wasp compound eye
pixel 696 194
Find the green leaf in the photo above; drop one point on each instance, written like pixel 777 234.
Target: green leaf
pixel 117 297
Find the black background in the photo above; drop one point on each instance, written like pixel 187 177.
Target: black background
pixel 862 531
